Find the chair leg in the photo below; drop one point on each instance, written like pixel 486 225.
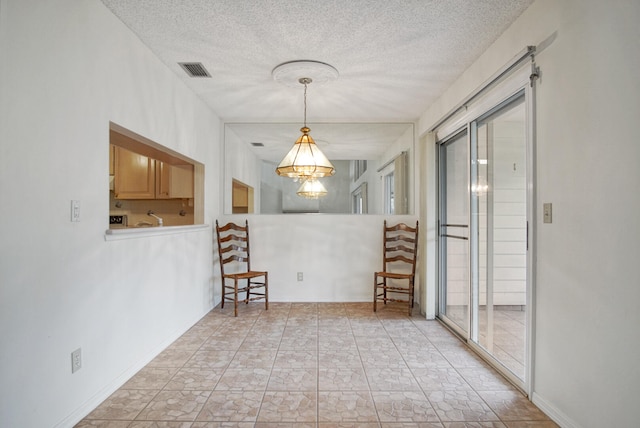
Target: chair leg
pixel 375 292
pixel 223 293
pixel 235 297
pixel 410 296
pixel 266 291
pixel 384 290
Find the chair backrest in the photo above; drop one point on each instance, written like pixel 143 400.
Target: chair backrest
pixel 233 246
pixel 400 247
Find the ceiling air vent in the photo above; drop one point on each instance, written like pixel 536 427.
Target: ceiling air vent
pixel 194 69
pixel 257 144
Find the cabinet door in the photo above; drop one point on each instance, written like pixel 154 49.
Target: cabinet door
pixel 134 176
pixel 163 180
pixel 173 181
pixel 181 181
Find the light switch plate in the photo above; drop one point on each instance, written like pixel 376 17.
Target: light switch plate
pixel 75 211
pixel 547 213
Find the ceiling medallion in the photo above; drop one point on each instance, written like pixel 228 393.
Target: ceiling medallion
pixel 289 73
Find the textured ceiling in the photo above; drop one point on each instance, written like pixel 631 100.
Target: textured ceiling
pixel 394 57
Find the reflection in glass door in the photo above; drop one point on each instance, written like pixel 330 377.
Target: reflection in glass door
pixel 499 240
pixel 454 231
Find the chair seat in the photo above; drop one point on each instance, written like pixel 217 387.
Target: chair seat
pixel 394 275
pixel 244 275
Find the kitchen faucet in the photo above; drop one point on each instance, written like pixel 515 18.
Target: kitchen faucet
pixel 150 213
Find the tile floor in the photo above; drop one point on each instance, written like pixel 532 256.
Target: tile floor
pixel 316 365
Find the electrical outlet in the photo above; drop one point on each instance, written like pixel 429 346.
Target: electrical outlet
pixel 118 220
pixel 76 360
pixel 300 276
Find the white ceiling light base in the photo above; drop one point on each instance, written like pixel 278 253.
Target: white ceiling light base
pixel 290 73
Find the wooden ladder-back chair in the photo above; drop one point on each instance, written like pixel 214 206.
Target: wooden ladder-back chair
pixel 235 265
pixel 400 252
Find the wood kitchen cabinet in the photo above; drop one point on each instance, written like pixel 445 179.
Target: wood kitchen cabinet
pixel 242 198
pixel 173 181
pixel 134 175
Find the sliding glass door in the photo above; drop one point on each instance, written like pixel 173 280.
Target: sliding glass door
pixel 483 234
pixel 499 196
pixel 454 231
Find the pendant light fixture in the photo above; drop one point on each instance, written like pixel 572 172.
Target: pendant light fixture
pixel 312 189
pixel 305 160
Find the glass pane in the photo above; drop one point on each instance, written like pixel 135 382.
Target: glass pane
pixel 499 189
pixel 455 231
pixel 389 200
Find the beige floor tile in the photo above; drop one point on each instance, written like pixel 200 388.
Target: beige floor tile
pixel 391 379
pixel 172 358
pixel 151 378
pixel 231 406
pixel 159 424
pixel 296 359
pixel 99 423
pixel 299 342
pixel 260 342
pixel 377 343
pixel 328 342
pixel 512 406
pixel 383 358
pixel 253 358
pixel 461 406
pixel 288 406
pixel 424 359
pixel 338 358
pixel 223 343
pixel 531 424
pixel 194 378
pixel 124 404
pixel 403 406
pixel 342 379
pixel 348 425
pixel 191 340
pixel 212 359
pixel 486 424
pixel 346 406
pixel 485 379
pixel 364 330
pixel 223 425
pixel 255 379
pixel 174 405
pixel 462 358
pixel 440 379
pixel 293 379
pixel 411 425
pixel 284 425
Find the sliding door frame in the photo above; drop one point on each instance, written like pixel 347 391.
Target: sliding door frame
pixel 520 80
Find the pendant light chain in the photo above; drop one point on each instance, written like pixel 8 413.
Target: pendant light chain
pixel 305 104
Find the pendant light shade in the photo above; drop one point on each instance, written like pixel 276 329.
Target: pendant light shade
pixel 311 189
pixel 305 159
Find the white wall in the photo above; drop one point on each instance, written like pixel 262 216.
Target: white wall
pixel 68 68
pixel 337 254
pixel 587 345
